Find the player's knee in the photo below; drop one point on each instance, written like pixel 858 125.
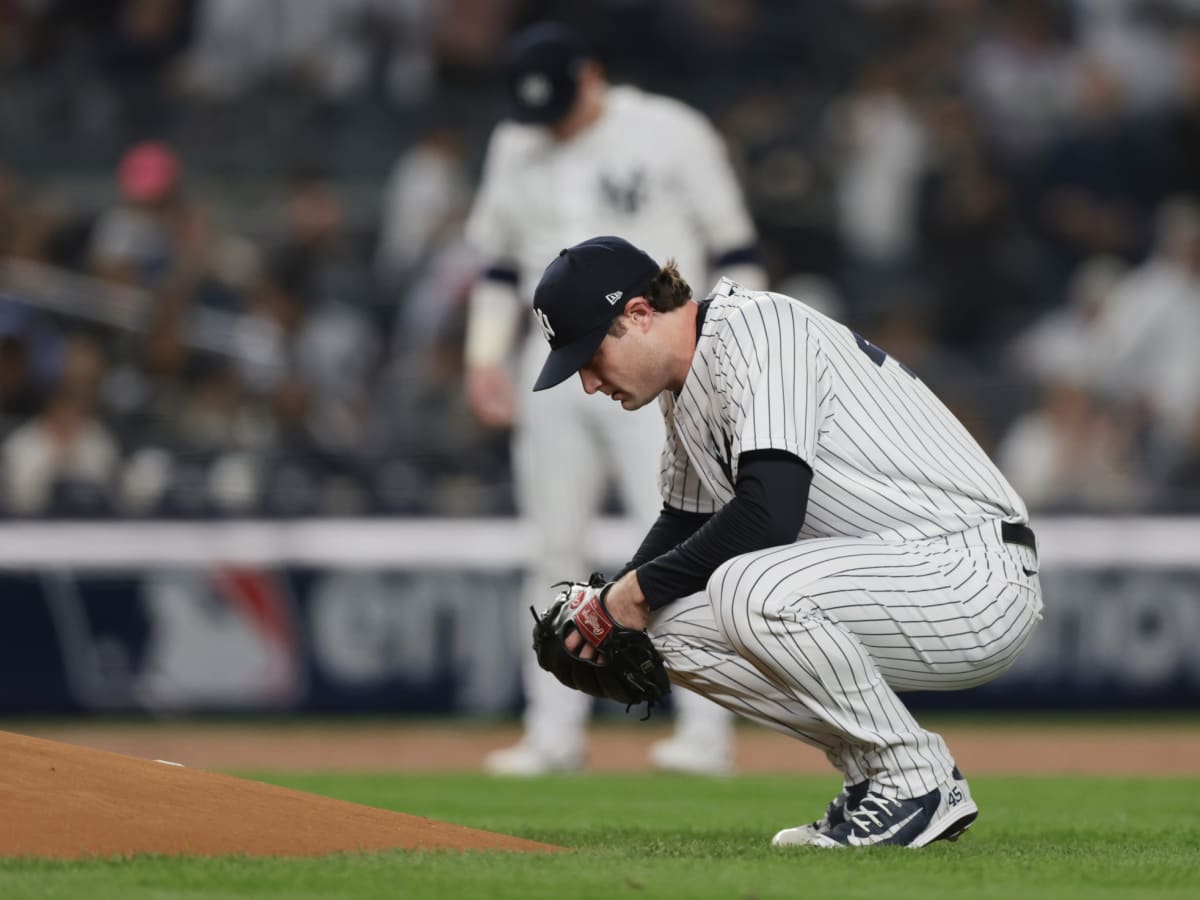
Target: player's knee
pixel 717 590
pixel 735 596
pixel 725 582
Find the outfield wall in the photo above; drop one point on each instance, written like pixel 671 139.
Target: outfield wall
pixel 424 616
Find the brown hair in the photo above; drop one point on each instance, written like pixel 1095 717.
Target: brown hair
pixel 667 291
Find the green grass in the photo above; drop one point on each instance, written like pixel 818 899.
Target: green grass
pixel 676 838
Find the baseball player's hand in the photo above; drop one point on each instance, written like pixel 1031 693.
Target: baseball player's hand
pixel 626 604
pixel 491 396
pixel 609 660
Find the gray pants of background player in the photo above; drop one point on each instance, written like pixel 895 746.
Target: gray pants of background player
pixel 568 447
pixel 815 638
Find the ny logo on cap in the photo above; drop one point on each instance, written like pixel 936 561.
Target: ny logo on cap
pixel 544 321
pixel 534 89
pixel 614 297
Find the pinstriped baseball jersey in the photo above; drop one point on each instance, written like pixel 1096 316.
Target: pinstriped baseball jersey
pixel 888 459
pixel 651 169
pixel 902 577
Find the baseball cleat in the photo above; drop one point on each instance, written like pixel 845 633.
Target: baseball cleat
pixel 835 814
pixel 942 814
pixel 524 760
pixel 690 757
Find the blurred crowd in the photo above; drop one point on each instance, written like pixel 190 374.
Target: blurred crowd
pixel 232 273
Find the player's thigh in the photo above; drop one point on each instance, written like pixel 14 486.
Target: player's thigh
pixel 686 624
pixel 694 647
pixel 931 616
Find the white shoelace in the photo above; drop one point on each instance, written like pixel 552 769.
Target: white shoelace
pixel 863 817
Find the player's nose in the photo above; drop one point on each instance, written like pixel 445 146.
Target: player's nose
pixel 591 381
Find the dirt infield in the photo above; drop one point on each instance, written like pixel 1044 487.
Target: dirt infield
pixel 82 790
pixel 66 802
pixel 1006 747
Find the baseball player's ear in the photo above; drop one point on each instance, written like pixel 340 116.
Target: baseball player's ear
pixel 638 309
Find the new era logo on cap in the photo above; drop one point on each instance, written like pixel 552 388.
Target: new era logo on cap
pixel 569 293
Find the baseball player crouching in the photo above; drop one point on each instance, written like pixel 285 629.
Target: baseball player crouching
pixel 831 534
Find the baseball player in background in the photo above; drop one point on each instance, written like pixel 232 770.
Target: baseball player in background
pixel 831 534
pixel 583 157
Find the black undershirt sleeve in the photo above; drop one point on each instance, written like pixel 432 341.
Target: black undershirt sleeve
pixel 672 528
pixel 768 507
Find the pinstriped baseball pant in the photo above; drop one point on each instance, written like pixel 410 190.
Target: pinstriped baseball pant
pixel 815 638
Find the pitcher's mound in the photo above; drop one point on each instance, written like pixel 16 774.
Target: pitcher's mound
pixel 64 801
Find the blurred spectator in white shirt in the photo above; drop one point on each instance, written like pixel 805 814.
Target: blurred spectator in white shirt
pixel 64 445
pixel 1020 77
pixel 880 150
pixel 1071 453
pixel 423 205
pixel 1072 331
pixel 1132 39
pixel 331 48
pixel 1148 345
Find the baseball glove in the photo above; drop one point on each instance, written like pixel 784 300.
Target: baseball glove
pixel 626 667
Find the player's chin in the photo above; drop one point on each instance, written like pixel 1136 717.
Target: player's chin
pixel 628 402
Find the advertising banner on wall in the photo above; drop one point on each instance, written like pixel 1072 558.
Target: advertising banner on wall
pixel 252 638
pixel 224 639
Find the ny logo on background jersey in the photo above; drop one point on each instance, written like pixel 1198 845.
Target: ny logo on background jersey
pixel 544 321
pixel 626 195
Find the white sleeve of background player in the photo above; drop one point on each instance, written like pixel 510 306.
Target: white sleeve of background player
pixel 493 319
pixel 494 311
pixel 718 205
pixel 492 224
pixel 772 371
pixel 678 481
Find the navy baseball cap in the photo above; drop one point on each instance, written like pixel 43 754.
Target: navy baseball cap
pixel 579 295
pixel 542 65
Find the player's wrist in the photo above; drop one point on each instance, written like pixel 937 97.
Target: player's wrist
pixel 626 603
pixel 639 596
pixel 630 588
